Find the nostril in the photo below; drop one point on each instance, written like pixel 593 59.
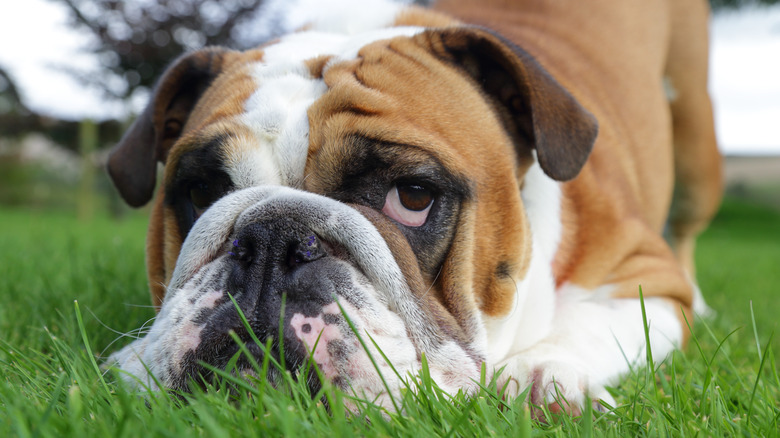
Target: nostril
pixel 306 250
pixel 242 251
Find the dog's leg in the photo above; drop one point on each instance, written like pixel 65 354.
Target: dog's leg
pixel 698 186
pixel 594 340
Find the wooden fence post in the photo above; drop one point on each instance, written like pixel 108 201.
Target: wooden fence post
pixel 88 139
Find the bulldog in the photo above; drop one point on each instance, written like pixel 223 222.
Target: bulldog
pixel 480 184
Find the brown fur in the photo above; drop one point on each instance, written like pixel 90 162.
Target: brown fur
pixel 216 106
pixel 612 56
pixel 408 100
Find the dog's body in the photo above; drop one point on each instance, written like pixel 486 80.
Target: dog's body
pixel 428 181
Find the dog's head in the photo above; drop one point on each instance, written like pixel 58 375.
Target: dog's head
pixel 324 180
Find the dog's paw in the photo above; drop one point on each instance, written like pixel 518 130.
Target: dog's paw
pixel 562 386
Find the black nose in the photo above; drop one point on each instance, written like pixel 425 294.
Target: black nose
pixel 280 260
pixel 277 269
pixel 276 247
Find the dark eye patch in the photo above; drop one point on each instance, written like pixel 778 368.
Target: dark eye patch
pixel 199 180
pixel 367 169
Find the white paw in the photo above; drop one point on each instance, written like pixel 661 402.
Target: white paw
pixel 560 385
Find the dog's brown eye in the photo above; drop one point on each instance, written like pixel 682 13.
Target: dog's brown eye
pixel 201 197
pixel 414 197
pixel 409 204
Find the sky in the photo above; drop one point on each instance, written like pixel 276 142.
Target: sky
pixel 34 39
pixel 744 71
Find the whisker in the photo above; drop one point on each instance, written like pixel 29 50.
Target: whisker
pixel 137 333
pixel 433 282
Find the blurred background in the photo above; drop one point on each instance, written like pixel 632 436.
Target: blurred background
pixel 74 73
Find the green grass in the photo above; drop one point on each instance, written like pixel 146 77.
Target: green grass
pixel 724 384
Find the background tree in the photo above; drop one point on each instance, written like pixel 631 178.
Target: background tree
pixel 17 120
pixel 10 101
pixel 135 40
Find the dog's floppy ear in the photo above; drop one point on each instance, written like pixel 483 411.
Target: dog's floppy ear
pixel 132 163
pixel 535 108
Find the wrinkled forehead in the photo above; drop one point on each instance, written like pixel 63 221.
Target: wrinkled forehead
pixel 258 108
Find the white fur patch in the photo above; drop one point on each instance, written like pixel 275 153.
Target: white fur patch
pixel 569 341
pixel 276 113
pixel 534 306
pixel 593 341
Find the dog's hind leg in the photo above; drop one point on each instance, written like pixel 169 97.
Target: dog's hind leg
pixel 697 162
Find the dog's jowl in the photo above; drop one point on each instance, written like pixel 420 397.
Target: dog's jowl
pixel 481 183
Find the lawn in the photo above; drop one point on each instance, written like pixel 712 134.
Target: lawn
pixel 69 289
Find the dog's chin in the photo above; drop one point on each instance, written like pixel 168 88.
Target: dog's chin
pixel 350 342
pixel 312 320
